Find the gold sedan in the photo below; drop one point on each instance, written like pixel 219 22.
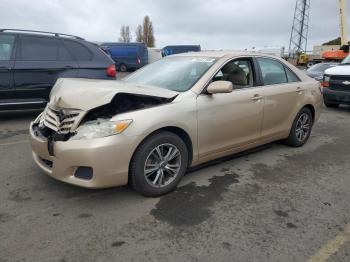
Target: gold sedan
pixel 178 112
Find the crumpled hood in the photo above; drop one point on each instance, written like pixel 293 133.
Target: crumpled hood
pixel 86 94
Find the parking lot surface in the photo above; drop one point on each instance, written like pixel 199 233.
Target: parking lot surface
pixel 274 203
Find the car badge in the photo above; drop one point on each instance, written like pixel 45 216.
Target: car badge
pixel 346 83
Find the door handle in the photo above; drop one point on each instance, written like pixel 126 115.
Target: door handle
pixel 68 67
pixel 256 98
pixel 299 90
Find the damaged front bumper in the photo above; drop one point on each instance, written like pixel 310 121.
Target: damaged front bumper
pixel 90 163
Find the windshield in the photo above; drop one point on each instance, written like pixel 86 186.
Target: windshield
pixel 174 73
pixel 319 68
pixel 346 60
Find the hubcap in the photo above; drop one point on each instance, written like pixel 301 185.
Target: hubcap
pixel 162 165
pixel 303 127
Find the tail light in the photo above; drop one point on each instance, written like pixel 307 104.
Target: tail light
pixel 111 71
pixel 325 82
pixel 138 60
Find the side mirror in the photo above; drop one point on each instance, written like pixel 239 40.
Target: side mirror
pixel 220 87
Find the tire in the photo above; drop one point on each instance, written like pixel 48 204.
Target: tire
pixel 146 155
pixel 123 68
pixel 309 64
pixel 331 105
pixel 300 131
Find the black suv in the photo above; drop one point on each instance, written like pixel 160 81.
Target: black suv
pixel 32 61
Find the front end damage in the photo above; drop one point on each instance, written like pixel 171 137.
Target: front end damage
pixel 87 161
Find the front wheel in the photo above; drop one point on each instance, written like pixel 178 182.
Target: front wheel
pixel 301 128
pixel 159 164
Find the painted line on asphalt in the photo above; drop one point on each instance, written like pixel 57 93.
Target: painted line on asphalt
pixel 15 143
pixel 332 246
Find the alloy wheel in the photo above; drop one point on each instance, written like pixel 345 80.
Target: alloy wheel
pixel 162 165
pixel 303 127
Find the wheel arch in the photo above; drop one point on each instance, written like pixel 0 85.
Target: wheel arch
pixel 308 106
pixel 311 108
pixel 175 130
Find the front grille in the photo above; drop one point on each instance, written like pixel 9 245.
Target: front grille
pixel 340 83
pixel 340 77
pixel 61 120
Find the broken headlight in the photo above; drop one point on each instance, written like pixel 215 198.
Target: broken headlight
pixel 100 128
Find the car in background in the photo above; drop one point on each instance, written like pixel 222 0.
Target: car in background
pixel 127 56
pixel 178 49
pixel 181 111
pixel 317 71
pixel 32 61
pixel 336 84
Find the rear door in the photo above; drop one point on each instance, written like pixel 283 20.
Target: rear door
pixel 283 92
pixel 40 61
pixel 92 61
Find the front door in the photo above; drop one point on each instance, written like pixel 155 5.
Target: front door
pixel 228 121
pixel 6 64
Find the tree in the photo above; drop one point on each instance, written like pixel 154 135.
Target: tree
pixel 145 33
pixel 138 33
pixel 125 35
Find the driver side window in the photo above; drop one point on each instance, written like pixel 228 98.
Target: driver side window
pixel 238 72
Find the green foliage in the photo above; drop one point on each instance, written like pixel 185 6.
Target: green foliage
pixel 145 32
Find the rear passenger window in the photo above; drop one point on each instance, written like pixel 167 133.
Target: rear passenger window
pixel 291 76
pixel 37 49
pixel 6 46
pixel 272 71
pixel 63 54
pixel 79 51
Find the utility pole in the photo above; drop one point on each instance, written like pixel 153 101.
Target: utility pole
pixel 343 25
pixel 300 28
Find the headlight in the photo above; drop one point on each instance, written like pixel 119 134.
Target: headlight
pixel 100 128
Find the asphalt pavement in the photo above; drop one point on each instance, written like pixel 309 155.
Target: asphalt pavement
pixel 274 203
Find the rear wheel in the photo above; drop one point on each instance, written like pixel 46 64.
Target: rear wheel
pixel 331 105
pixel 123 68
pixel 159 164
pixel 301 128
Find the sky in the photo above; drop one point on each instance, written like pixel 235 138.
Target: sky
pixel 214 24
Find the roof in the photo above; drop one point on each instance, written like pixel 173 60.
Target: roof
pixel 122 44
pixel 35 32
pixel 220 54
